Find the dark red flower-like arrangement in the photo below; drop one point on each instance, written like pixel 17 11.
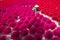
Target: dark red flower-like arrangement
pixel 50 7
